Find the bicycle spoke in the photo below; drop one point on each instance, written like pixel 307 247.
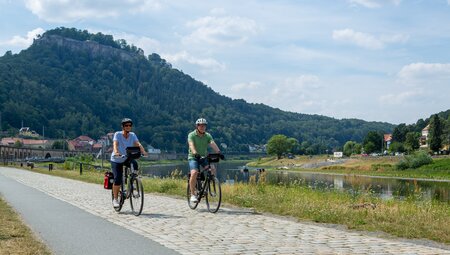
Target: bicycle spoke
pixel 136 190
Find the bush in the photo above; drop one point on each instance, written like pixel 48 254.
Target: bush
pixel 415 160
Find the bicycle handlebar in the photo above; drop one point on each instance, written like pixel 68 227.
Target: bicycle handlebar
pixel 125 156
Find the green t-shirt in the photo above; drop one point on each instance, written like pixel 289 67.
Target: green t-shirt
pixel 200 142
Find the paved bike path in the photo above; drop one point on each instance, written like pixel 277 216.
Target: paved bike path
pixel 67 229
pixel 169 222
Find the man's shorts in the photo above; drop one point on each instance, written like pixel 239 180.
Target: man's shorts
pixel 193 164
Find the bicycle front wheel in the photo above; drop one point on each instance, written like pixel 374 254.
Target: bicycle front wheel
pixel 213 195
pixel 136 195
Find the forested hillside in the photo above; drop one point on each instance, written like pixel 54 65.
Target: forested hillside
pixel 73 82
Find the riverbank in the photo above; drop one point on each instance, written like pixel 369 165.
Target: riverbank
pixel 409 218
pixel 439 169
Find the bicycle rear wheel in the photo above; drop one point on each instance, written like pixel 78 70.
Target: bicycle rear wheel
pixel 213 195
pixel 121 198
pixel 192 205
pixel 136 195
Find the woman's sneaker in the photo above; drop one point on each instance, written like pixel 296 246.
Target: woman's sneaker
pixel 194 199
pixel 116 203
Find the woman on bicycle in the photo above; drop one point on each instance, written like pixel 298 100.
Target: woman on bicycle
pixel 198 141
pixel 122 140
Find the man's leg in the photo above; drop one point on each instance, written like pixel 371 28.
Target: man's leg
pixel 193 180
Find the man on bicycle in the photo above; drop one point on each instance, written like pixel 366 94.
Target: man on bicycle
pixel 122 140
pixel 198 141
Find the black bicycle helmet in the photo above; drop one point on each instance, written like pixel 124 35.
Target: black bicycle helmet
pixel 126 120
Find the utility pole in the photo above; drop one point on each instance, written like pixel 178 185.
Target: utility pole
pixel 64 144
pixel 103 151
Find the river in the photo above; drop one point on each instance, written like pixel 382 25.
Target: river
pixel 384 187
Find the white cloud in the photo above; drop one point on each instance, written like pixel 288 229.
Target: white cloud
pixel 207 64
pixel 240 87
pixel 428 73
pixel 365 40
pixel 67 11
pixel 365 3
pixel 421 86
pixel 149 45
pixel 374 3
pixel 402 97
pixel 226 31
pixel 24 42
pixel 299 94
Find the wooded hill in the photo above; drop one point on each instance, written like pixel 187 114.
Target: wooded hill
pixel 73 82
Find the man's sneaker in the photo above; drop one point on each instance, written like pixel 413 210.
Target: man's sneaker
pixel 116 203
pixel 194 199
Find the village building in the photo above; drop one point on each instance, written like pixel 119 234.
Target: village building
pixel 424 137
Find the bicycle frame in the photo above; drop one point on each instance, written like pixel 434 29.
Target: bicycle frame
pixel 209 187
pixel 131 182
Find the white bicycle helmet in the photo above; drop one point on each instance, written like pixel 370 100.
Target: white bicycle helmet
pixel 201 121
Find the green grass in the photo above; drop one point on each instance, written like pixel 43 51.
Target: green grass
pixel 409 219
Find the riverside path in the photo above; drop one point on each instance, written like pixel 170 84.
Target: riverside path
pixel 168 226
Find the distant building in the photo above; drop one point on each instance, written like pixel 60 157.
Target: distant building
pixel 255 148
pixel 152 150
pixel 9 141
pixel 28 143
pixel 81 143
pixel 338 154
pixel 424 138
pixel 387 140
pixel 37 144
pixel 27 132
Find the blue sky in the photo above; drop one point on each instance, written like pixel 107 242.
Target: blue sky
pixel 376 60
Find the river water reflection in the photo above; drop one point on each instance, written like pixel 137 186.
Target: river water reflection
pixel 385 188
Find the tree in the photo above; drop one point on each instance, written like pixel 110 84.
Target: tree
pixel 294 145
pixel 399 133
pixel 446 132
pixel 375 139
pixel 18 144
pixel 60 145
pixel 396 147
pixel 412 141
pixel 351 147
pixel 435 139
pixel 277 145
pixel 369 147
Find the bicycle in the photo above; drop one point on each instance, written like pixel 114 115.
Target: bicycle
pixel 207 185
pixel 133 183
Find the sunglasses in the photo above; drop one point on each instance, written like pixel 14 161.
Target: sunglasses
pixel 127 125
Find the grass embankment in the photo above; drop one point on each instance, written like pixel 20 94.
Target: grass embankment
pixel 409 218
pixel 15 237
pixel 378 166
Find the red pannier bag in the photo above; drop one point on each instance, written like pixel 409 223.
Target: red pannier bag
pixel 108 180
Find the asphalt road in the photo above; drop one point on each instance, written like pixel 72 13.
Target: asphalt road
pixel 67 229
